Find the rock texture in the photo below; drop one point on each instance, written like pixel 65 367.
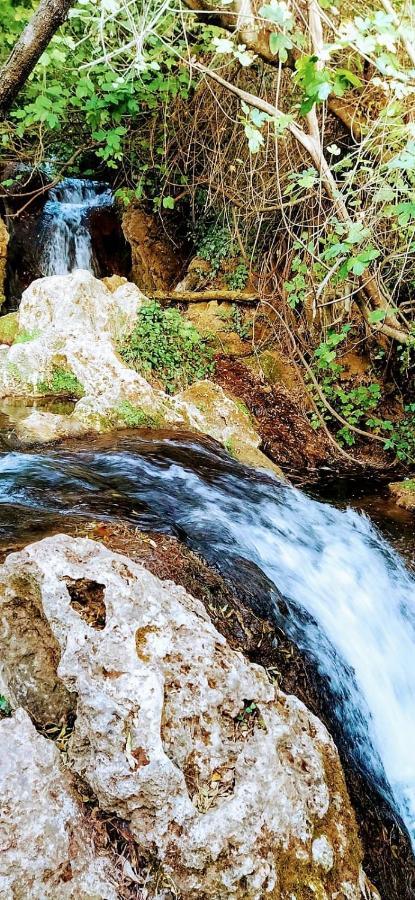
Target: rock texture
pixel 234 786
pixel 72 324
pixel 403 493
pixel 46 848
pixel 156 262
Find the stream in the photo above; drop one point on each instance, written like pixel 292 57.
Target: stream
pixel 347 595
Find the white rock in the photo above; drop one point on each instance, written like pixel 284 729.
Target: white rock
pixel 322 853
pixel 228 799
pixel 79 303
pixel 76 322
pixel 46 847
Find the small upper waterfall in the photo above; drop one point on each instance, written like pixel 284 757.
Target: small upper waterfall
pixel 64 227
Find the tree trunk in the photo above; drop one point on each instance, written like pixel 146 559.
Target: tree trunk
pixel 29 48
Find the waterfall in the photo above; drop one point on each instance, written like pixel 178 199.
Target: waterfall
pixel 64 227
pixel 349 601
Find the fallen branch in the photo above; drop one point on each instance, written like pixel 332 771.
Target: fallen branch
pixel 205 296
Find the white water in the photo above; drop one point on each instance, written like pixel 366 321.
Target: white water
pixel 64 229
pixel 351 601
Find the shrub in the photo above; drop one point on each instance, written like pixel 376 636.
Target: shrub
pixel 165 345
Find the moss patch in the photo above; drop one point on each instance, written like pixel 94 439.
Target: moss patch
pixel 135 417
pixel 9 327
pixel 62 381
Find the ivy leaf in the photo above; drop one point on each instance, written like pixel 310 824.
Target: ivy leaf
pixel 255 138
pixel 404 211
pixel 277 13
pixel 358 264
pixel 378 315
pixel 168 202
pixel 279 44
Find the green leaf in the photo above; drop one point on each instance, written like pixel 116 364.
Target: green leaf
pixel 168 202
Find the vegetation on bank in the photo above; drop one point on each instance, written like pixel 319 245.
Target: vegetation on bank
pixel 165 346
pixel 284 147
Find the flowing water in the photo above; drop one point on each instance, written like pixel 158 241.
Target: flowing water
pixel 64 227
pixel 348 600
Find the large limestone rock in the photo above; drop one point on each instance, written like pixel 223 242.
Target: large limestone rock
pixel 72 324
pixel 46 847
pixel 235 787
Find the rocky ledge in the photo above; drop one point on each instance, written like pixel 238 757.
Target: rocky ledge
pixel 67 330
pixel 225 786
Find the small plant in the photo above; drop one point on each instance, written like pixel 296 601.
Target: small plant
pixel 242 329
pixel 401 438
pixel 134 417
pixel 237 280
pixel 214 246
pixel 165 345
pixel 230 448
pixel 5 708
pixel 62 381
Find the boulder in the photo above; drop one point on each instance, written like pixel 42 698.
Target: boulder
pixel 46 846
pixel 403 493
pixel 233 786
pixel 71 325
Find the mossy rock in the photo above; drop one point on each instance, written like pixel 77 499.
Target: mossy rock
pixel 403 493
pixel 9 327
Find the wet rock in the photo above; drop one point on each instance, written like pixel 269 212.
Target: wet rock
pixel 156 261
pixel 403 493
pixel 210 410
pixel 4 240
pixel 46 847
pixel 235 786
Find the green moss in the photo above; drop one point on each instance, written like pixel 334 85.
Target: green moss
pixel 230 447
pixel 62 381
pixel 408 486
pixel 243 409
pixel 134 417
pixel 9 327
pixel 23 337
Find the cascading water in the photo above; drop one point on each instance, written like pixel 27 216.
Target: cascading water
pixel 349 601
pixel 64 227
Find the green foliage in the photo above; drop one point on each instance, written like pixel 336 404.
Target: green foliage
pixel 359 405
pixel 134 417
pixel 242 329
pixel 62 381
pixel 166 346
pixel 5 707
pixel 401 438
pixel 238 279
pixel 214 244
